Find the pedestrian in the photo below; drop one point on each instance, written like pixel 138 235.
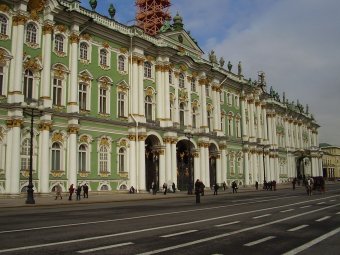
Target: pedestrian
pixel 224 186
pixel 294 183
pixel 234 186
pixel 197 191
pixel 216 187
pixel 78 192
pixel 202 186
pixel 257 185
pixel 132 190
pixel 71 191
pixel 173 187
pixel 86 190
pixel 274 185
pixel 153 187
pixel 58 192
pixel 165 188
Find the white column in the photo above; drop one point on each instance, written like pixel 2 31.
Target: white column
pixel 162 175
pixel 72 105
pixel 246 168
pixel 46 71
pixel 264 113
pixel 160 94
pixel 267 166
pixel 141 89
pixel 15 162
pixel 133 162
pixel 202 162
pixel 13 61
pixel 204 122
pixel 134 86
pixel 72 156
pixel 166 99
pixel 258 116
pixel 244 122
pixel 207 168
pixel 44 157
pixel 141 174
pixel 223 164
pixel 277 169
pixel 8 166
pixel 197 173
pixel 287 142
pixel 251 121
pixel 217 117
pixel 168 167
pixel 218 170
pixel 174 162
pixel 274 131
pixel 261 176
pixel 270 132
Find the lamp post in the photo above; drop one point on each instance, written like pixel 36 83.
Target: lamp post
pixel 190 187
pixel 33 109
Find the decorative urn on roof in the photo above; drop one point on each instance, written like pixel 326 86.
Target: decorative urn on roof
pixel 178 22
pixel 93 4
pixel 112 11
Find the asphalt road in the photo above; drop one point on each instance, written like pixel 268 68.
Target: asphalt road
pixel 263 222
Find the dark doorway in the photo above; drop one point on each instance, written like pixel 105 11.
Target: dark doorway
pixel 151 161
pixel 185 166
pixel 212 164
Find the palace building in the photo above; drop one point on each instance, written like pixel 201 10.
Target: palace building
pixel 86 99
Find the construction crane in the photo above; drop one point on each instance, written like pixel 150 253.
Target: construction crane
pixel 151 15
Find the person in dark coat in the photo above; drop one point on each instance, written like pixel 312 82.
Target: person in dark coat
pixel 86 190
pixel 216 187
pixel 153 187
pixel 173 187
pixel 234 187
pixel 78 192
pixel 71 191
pixel 198 191
pixel 256 185
pixel 165 188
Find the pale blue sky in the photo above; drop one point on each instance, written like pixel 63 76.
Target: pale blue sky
pixel 295 42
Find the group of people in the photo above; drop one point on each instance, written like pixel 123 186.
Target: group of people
pixel 271 185
pixel 165 188
pixel 72 189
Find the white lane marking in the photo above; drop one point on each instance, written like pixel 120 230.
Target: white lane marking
pixel 172 226
pixel 313 242
pixel 227 224
pixel 151 215
pixel 297 228
pixel 321 203
pixel 323 218
pixel 332 200
pixel 104 247
pixel 233 233
pixel 306 206
pixel 180 233
pixel 261 216
pixel 259 241
pixel 338 213
pixel 288 210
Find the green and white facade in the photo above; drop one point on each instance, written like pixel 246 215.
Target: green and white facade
pixel 118 105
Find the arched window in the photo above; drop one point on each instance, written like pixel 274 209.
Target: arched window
pixel 3 25
pixel 103 159
pixel 194 117
pixel 230 126
pixel 57 91
pixel 82 96
pixel 103 100
pixel 238 128
pixel 121 155
pixel 56 157
pixel 59 43
pixel 121 104
pixel 181 80
pixel 121 63
pixel 25 154
pixel 28 84
pixel 193 85
pixel 83 51
pixel 147 70
pixel 103 57
pixel 148 108
pixel 181 115
pixel 82 157
pixel 31 33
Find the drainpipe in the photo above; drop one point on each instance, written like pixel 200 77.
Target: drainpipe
pixel 134 119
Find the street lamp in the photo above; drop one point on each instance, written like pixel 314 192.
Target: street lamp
pixel 190 187
pixel 33 109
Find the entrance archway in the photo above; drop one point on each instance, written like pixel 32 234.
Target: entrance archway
pixel 302 164
pixel 151 161
pixel 212 164
pixel 185 165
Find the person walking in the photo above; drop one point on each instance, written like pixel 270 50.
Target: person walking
pixel 234 186
pixel 198 191
pixel 165 188
pixel 257 185
pixel 224 186
pixel 294 183
pixel 70 191
pixel 173 187
pixel 216 187
pixel 58 192
pixel 78 192
pixel 153 187
pixel 86 190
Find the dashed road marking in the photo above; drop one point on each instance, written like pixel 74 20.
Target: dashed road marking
pixel 261 216
pixel 323 218
pixel 180 233
pixel 105 247
pixel 259 241
pixel 226 224
pixel 321 203
pixel 288 210
pixel 306 206
pixel 297 228
pixel 338 213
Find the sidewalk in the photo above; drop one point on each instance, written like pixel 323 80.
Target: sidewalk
pixel 7 201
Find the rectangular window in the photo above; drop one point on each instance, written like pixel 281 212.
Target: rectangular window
pixel 57 91
pixel 82 161
pixel 102 100
pixel 121 104
pixel 55 160
pixel 82 96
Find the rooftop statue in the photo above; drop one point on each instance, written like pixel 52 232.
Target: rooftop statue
pixel 166 26
pixel 230 66
pixel 212 57
pixel 222 61
pixel 239 68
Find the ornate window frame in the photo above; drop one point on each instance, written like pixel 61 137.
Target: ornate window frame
pixel 104 142
pixel 85 78
pixel 104 83
pixel 5 58
pixel 85 59
pixel 59 72
pixel 122 90
pixel 8 28
pixel 150 93
pixel 36 42
pixel 60 52
pixel 122 66
pixel 60 138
